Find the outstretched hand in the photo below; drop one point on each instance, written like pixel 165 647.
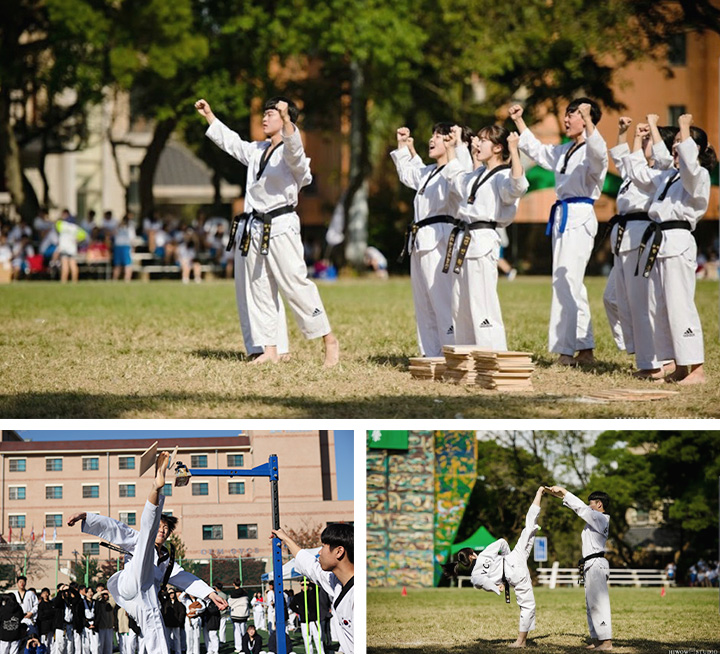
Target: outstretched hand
pixel 217 600
pixel 76 518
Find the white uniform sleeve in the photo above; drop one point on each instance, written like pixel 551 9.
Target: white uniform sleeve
pixel 597 155
pixel 118 533
pixel 33 608
pixel 188 582
pixel 544 155
pixel 695 179
pixel 617 154
pixel 661 156
pixel 462 154
pixel 513 188
pixel 294 156
pixel 596 520
pixel 230 141
pixel 409 172
pixel 644 177
pixel 455 173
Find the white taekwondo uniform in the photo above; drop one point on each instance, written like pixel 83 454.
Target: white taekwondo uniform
pixel 484 197
pixel 626 295
pixel 578 177
pixel 487 572
pixel 432 290
pixel 135 587
pixel 342 597
pixel 680 195
pixel 597 571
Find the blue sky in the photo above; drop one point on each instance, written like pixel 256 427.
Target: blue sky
pixel 343 446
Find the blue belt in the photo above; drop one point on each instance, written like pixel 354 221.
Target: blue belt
pixel 564 204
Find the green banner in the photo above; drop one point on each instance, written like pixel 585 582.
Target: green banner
pixel 387 440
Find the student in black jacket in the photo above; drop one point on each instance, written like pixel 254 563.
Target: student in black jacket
pixel 252 641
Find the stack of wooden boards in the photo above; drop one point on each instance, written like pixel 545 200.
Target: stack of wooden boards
pixel 470 365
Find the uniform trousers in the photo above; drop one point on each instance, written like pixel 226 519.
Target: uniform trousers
pixel 282 268
pixel 597 599
pixel 619 325
pixel 128 642
pixel 520 576
pixel 90 641
pixel 239 629
pixel 192 635
pixel 432 297
pixel 212 642
pixel 476 306
pixel 570 327
pixel 222 632
pixel 311 632
pixel 10 647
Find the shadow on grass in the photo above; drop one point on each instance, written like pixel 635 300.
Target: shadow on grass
pixel 598 367
pixel 390 360
pixel 248 405
pixel 220 355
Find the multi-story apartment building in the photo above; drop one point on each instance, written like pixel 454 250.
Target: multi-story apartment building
pixel 44 483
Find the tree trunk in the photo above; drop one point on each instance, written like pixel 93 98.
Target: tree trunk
pixel 163 131
pixel 356 198
pixel 10 164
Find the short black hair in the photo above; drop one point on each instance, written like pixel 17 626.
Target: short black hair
pixel 595 111
pixel 340 534
pixel 601 497
pixel 21 577
pixel 170 520
pixel 668 134
pixel 293 110
pixel 462 565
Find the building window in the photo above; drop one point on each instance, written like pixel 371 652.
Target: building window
pixel 54 546
pixel 212 532
pixel 127 463
pixel 127 490
pixel 17 546
pixel 91 549
pixel 198 461
pixel 677 49
pixel 235 460
pixel 236 488
pixel 53 465
pixel 53 492
pixel 16 521
pixel 18 465
pixel 128 517
pixel 53 519
pixel 90 492
pixel 16 492
pixel 167 490
pixel 247 531
pixel 674 112
pixel 200 488
pixel 91 463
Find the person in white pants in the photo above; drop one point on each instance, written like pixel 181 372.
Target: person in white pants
pixel 497 568
pixel 90 640
pixel 271 243
pixel 136 586
pixel 488 197
pixel 306 605
pixel 596 568
pixel 127 638
pixel 580 168
pixel 427 238
pixel 681 199
pixel 258 609
pixel 193 622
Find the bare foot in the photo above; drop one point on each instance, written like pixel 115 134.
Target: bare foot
pixel 567 360
pixel 270 355
pixel 332 350
pixel 677 375
pixel 669 367
pixel 604 645
pixel 516 645
pixel 696 376
pixel 285 358
pixel 591 646
pixel 585 357
pixel 650 373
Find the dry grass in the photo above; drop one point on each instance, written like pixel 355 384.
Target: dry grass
pixel 160 350
pixel 452 621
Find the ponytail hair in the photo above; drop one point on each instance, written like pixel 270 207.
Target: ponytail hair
pixel 497 135
pixel 462 564
pixel 706 157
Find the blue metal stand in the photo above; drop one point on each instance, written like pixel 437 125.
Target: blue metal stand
pixel 270 470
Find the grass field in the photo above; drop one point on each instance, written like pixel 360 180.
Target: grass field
pixel 164 350
pixel 454 621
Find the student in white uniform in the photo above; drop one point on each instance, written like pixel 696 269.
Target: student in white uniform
pixel 681 199
pixel 334 570
pixel 427 237
pixel 580 168
pixel 488 198
pixel 136 586
pixel 595 566
pixel 277 170
pixel 497 568
pixel 630 313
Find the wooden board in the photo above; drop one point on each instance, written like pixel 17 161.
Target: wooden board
pixel 147 460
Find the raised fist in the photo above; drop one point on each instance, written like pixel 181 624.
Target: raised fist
pixel 513 139
pixel 516 112
pixel 403 135
pixel 282 109
pixel 203 108
pixel 623 123
pixel 652 119
pixel 685 120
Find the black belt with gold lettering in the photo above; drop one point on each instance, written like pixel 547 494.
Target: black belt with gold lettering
pixel 654 231
pixel 621 220
pixel 466 228
pixel 412 230
pixel 266 219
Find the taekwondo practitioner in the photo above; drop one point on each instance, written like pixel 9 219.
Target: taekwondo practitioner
pixel 681 197
pixel 271 251
pixel 427 237
pixel 594 568
pixel 580 168
pixel 488 198
pixel 148 565
pixel 497 568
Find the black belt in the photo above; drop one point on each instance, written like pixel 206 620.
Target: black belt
pixel 466 228
pixel 582 561
pixel 621 221
pixel 412 229
pixel 506 583
pixel 654 231
pixel 266 219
